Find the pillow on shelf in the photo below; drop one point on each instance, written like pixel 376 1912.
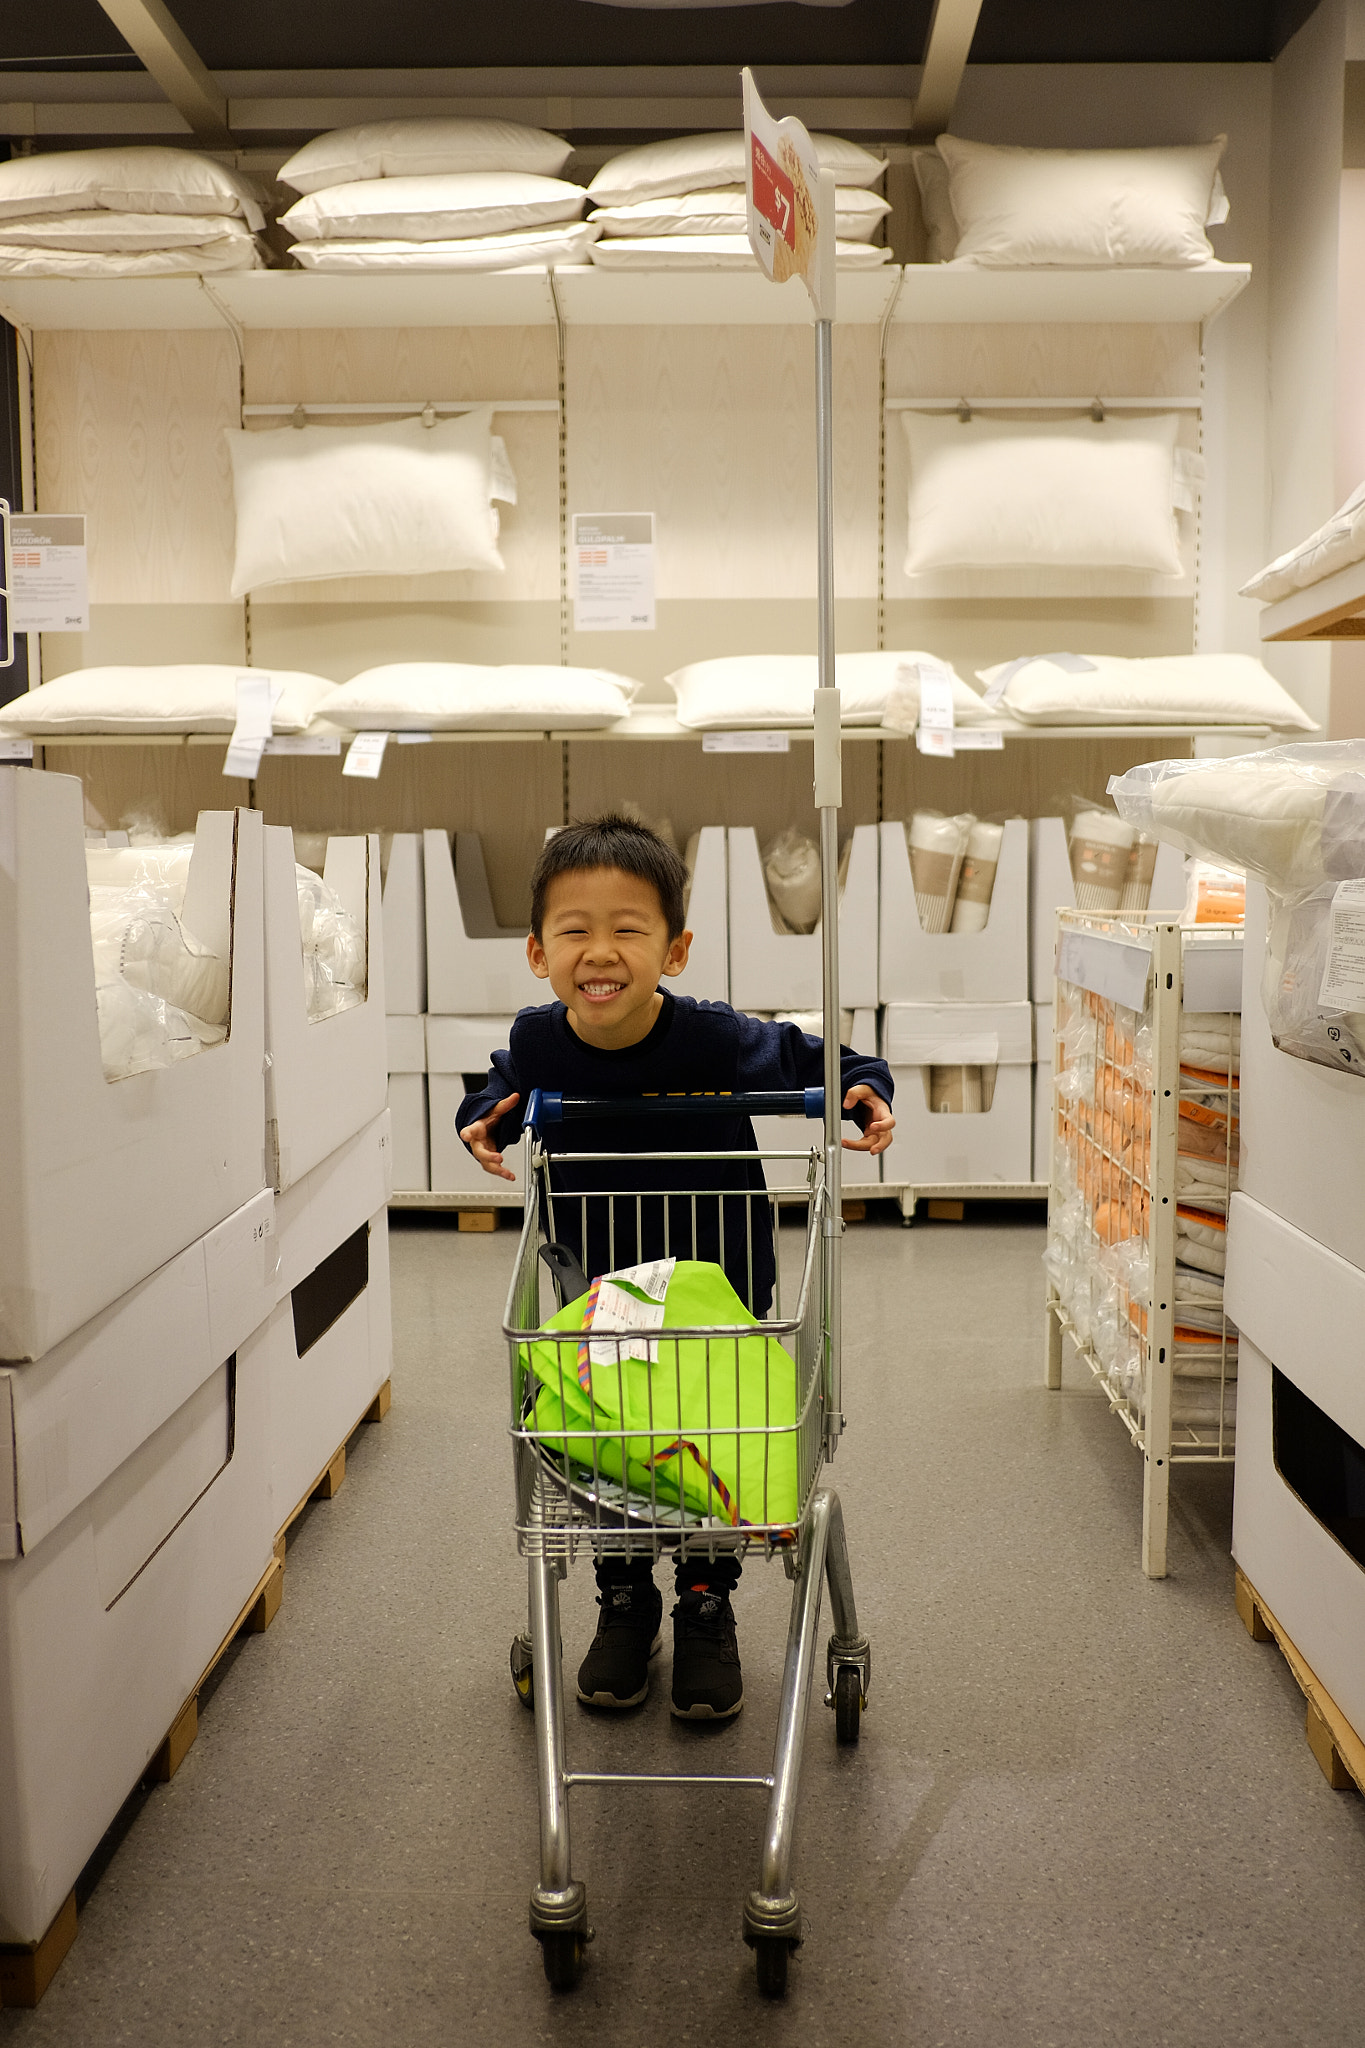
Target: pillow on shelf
pixel 1084 207
pixel 407 148
pixel 1336 545
pixel 457 696
pixel 856 214
pixel 1163 689
pixel 98 232
pixel 447 206
pixel 225 252
pixel 737 691
pixel 714 252
pixel 697 163
pixel 179 697
pixel 1057 493
pixel 399 500
pixel 523 249
pixel 146 179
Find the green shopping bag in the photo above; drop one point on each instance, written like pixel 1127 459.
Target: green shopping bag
pixel 667 1415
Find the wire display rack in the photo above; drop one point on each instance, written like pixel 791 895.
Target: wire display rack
pixel 1145 1077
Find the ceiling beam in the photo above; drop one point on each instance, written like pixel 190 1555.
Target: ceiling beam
pixel 153 34
pixel 951 28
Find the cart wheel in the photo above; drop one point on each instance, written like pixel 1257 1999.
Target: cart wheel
pixel 523 1670
pixel 848 1703
pixel 770 1955
pixel 563 1958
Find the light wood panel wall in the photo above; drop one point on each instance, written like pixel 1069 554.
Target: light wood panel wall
pixel 1027 779
pixel 167 786
pixel 677 781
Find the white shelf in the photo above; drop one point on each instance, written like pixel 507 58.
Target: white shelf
pixel 1333 609
pixel 940 293
pixel 932 293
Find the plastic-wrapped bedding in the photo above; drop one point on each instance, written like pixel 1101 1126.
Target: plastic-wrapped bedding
pixel 334 965
pixel 160 995
pixel 519 249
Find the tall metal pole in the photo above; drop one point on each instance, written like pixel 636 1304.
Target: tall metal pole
pixel 828 799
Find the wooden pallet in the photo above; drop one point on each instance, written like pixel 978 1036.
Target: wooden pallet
pixel 1340 1752
pixel 330 1480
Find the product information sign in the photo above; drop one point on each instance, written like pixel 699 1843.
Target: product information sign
pixel 51 591
pixel 791 206
pixel 613 556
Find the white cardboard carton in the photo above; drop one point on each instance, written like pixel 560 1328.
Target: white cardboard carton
pixel 993 1145
pixel 473 962
pixel 101 1182
pixel 1311 1583
pixel 406 1039
pixel 989 966
pixel 1044 1021
pixel 109 1622
pixel 1303 1305
pixel 326 1080
pixel 1303 1126
pixel 957 1034
pixel 454 1169
pixel 788 1133
pixel 781 970
pixel 405 928
pixel 408 1116
pixel 465 1045
pixel 707 974
pixel 1051 888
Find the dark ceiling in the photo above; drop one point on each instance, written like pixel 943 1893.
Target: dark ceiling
pixel 268 35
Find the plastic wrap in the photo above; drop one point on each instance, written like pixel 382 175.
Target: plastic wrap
pixel 160 995
pixel 334 966
pixel 791 869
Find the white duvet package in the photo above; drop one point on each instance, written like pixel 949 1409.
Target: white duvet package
pixel 1159 689
pixel 857 214
pixel 455 696
pixel 736 691
pixel 397 500
pixel 699 163
pixel 333 942
pixel 160 995
pixel 445 206
pixel 405 147
pixel 176 697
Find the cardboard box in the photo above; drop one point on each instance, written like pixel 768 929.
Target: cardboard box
pixel 110 1619
pixel 454 1169
pixel 405 927
pixel 781 971
pixel 102 1182
pixel 408 1117
pixel 406 1042
pixel 1044 1028
pixel 1051 889
pixel 1303 1126
pixel 789 1133
pixel 957 1034
pixel 1303 1305
pixel 991 1145
pixel 707 974
pixel 989 966
pixel 473 962
pixel 326 1080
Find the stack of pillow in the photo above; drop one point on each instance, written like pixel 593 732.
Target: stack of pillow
pixel 435 195
pixel 680 205
pixel 143 212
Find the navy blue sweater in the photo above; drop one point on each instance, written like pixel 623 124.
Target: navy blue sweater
pixel 692 1047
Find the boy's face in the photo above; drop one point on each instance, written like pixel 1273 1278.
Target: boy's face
pixel 603 946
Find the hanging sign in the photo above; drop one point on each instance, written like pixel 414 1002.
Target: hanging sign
pixel 613 556
pixel 790 202
pixel 50 591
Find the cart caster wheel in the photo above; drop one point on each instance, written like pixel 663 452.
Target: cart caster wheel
pixel 770 1957
pixel 848 1704
pixel 523 1671
pixel 562 1955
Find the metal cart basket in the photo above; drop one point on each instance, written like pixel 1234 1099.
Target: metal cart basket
pixel 757 1401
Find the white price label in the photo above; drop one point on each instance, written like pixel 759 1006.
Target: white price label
pixel 303 743
pixel 257 695
pixel 365 755
pixel 51 589
pixel 16 750
pixel 1343 979
pixel 613 554
pixel 746 742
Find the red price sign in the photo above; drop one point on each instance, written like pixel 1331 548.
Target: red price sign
pixel 774 196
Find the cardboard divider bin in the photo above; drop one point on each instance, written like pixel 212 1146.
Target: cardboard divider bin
pixel 1053 888
pixel 1299 1308
pixel 707 973
pixel 474 964
pixel 135 1527
pixel 772 970
pixel 459 1049
pixel 407 1037
pixel 102 1182
pixel 989 966
pixel 405 928
pixel 327 1347
pixel 789 1133
pixel 326 1080
pixel 994 1144
pixel 1044 1032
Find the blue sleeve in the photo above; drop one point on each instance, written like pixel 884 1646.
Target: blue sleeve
pixel 502 1080
pixel 785 1056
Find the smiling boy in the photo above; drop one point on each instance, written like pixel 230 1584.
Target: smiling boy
pixel 607 922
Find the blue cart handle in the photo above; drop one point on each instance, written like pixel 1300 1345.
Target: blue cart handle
pixel 548 1106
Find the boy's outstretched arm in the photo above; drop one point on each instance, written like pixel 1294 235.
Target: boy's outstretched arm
pixel 484 1120
pixel 479 1138
pixel 879 1125
pixel 785 1056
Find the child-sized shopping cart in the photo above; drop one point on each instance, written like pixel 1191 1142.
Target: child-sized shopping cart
pixel 704 1441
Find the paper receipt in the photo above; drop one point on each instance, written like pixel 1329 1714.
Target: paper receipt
pixel 1343 979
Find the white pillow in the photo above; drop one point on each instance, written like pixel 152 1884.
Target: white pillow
pixel 1163 689
pixel 1081 206
pixel 442 206
pixel 1335 545
pixel 560 244
pixel 121 233
pixel 767 690
pixel 713 252
pixel 405 148
pixel 400 500
pixel 237 250
pixel 457 696
pixel 182 697
pixel 695 163
pixel 1063 493
pixel 723 213
pixel 147 179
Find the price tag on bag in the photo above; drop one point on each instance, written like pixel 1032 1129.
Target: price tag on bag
pixel 935 735
pixel 257 696
pixel 1343 978
pixel 365 756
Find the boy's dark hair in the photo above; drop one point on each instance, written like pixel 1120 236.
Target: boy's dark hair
pixel 612 841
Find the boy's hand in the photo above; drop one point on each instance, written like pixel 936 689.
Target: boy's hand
pixel 880 1124
pixel 479 1138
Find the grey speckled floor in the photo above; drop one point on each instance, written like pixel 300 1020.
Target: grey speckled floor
pixel 1082 1811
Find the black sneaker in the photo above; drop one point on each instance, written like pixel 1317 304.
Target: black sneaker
pixel 615 1672
pixel 708 1684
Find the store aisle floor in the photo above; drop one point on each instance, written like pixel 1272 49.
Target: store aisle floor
pixel 1083 1809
